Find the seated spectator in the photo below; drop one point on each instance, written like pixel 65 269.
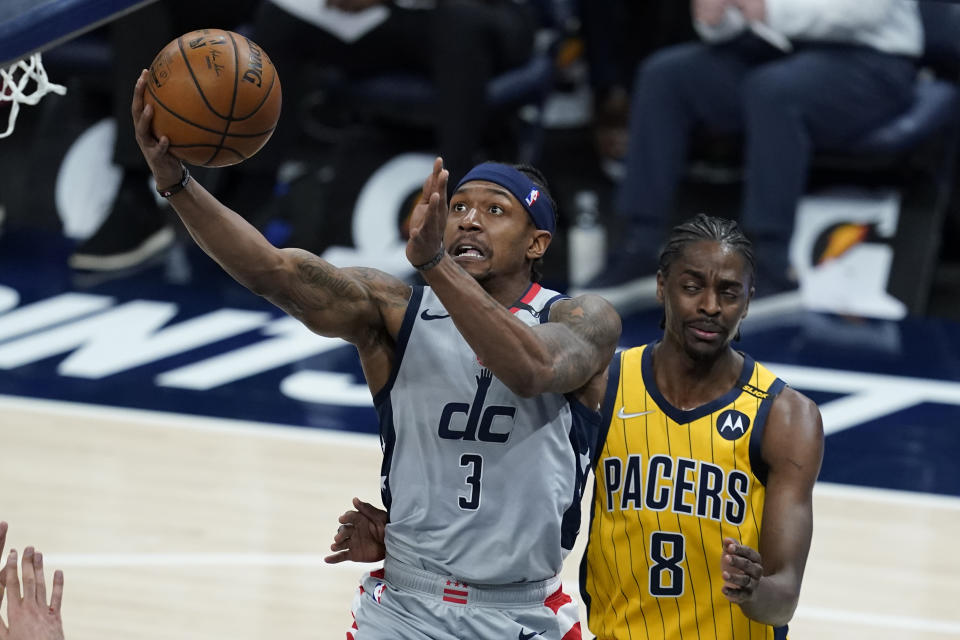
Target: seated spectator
pixel 136 228
pixel 617 35
pixel 792 76
pixel 460 44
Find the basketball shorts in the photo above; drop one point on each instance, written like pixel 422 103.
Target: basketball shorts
pixel 400 602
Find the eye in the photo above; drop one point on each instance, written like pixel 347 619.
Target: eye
pixel 496 210
pixel 691 288
pixel 459 207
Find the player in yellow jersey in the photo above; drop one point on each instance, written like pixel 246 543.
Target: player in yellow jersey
pixel 702 513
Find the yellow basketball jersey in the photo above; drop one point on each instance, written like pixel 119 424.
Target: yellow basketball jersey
pixel 670 485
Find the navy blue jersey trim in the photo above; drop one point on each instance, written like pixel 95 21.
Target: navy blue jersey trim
pixel 684 417
pixel 545 312
pixel 780 633
pixel 584 427
pixel 584 594
pixel 388 441
pixel 607 406
pixel 760 468
pixel 416 295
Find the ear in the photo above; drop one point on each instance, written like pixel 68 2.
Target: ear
pixel 539 242
pixel 746 307
pixel 661 283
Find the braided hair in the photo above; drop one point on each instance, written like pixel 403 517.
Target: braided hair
pixel 703 227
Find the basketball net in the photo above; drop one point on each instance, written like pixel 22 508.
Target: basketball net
pixel 13 87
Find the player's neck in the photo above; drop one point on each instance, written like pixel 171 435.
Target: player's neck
pixel 507 290
pixel 687 382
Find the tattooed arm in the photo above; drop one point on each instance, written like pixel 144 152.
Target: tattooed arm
pixel 353 304
pixel 567 354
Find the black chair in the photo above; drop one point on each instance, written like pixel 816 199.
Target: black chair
pixel 515 97
pixel 918 152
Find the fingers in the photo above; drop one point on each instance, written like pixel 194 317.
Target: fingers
pixel 38 578
pixel 442 179
pixel 29 577
pixel 136 106
pixel 435 180
pixel 742 570
pixel 344 533
pixel 336 558
pixel 11 577
pixel 3 574
pixel 57 596
pixel 369 511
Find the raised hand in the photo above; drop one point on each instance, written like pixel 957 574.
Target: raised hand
pixel 29 617
pixel 359 537
pixel 429 218
pixel 166 168
pixel 742 569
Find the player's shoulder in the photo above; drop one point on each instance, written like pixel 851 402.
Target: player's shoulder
pixel 795 413
pixel 587 307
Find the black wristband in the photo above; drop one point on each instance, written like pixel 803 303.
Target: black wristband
pixel 434 261
pixel 178 187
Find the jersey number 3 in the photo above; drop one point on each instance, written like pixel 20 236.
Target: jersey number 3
pixel 666 553
pixel 475 462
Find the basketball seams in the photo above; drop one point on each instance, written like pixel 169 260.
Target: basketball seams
pixel 228 119
pixel 196 82
pixel 219 139
pixel 263 100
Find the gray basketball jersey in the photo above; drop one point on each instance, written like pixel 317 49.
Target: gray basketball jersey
pixel 480 483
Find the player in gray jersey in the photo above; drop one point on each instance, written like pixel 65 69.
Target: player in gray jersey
pixel 486 386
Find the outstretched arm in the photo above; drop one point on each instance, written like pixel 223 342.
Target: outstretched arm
pixel 766 582
pixel 345 303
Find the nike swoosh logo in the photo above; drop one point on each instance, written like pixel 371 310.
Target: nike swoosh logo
pixel 527 636
pixel 426 315
pixel 623 415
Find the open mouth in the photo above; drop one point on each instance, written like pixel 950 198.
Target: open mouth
pixel 469 251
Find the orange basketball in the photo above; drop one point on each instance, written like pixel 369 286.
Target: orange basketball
pixel 215 95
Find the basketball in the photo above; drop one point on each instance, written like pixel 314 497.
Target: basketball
pixel 215 95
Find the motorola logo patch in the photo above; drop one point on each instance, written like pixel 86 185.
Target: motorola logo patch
pixel 731 424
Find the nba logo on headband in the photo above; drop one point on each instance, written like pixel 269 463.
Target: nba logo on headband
pixel 518 184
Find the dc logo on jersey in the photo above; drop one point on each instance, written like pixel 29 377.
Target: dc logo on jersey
pixel 732 424
pixel 480 418
pixel 532 197
pixel 378 591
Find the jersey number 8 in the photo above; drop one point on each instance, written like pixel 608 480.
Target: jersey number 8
pixel 666 574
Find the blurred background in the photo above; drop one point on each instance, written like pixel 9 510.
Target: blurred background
pixel 829 129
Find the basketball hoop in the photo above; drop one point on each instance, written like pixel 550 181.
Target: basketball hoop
pixel 13 87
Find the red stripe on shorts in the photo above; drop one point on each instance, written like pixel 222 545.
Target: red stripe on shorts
pixel 557 600
pixel 573 634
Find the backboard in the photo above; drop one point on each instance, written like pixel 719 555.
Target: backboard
pixel 29 26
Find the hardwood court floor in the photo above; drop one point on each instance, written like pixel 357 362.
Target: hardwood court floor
pixel 181 527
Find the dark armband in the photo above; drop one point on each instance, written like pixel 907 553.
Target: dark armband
pixel 432 262
pixel 177 187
